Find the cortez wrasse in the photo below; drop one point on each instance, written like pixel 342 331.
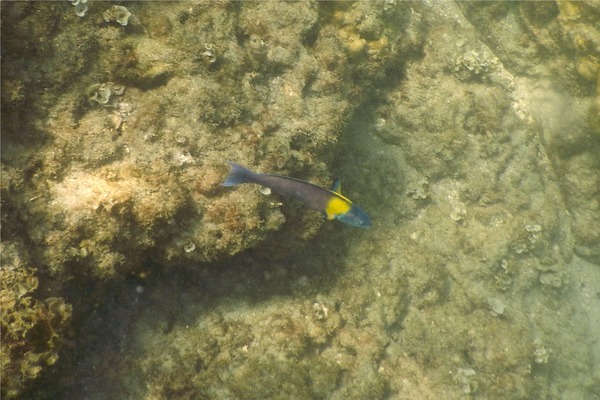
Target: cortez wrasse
pixel 330 202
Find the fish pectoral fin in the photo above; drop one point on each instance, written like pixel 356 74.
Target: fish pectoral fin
pixel 328 216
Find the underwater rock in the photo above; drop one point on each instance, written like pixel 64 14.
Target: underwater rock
pixel 136 204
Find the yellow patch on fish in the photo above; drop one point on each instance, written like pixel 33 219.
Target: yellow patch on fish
pixel 337 206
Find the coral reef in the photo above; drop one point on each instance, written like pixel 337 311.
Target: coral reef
pixel 143 168
pixel 468 131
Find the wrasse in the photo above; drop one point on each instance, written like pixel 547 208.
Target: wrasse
pixel 330 202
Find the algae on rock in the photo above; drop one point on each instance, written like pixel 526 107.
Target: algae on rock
pixel 31 327
pixel 427 107
pixel 115 181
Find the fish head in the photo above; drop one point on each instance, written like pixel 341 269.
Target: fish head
pixel 355 216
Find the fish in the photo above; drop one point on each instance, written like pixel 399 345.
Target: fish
pixel 331 203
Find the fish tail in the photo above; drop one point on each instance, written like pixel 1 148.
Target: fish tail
pixel 237 175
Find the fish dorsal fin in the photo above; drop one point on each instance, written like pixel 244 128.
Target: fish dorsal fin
pixel 336 186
